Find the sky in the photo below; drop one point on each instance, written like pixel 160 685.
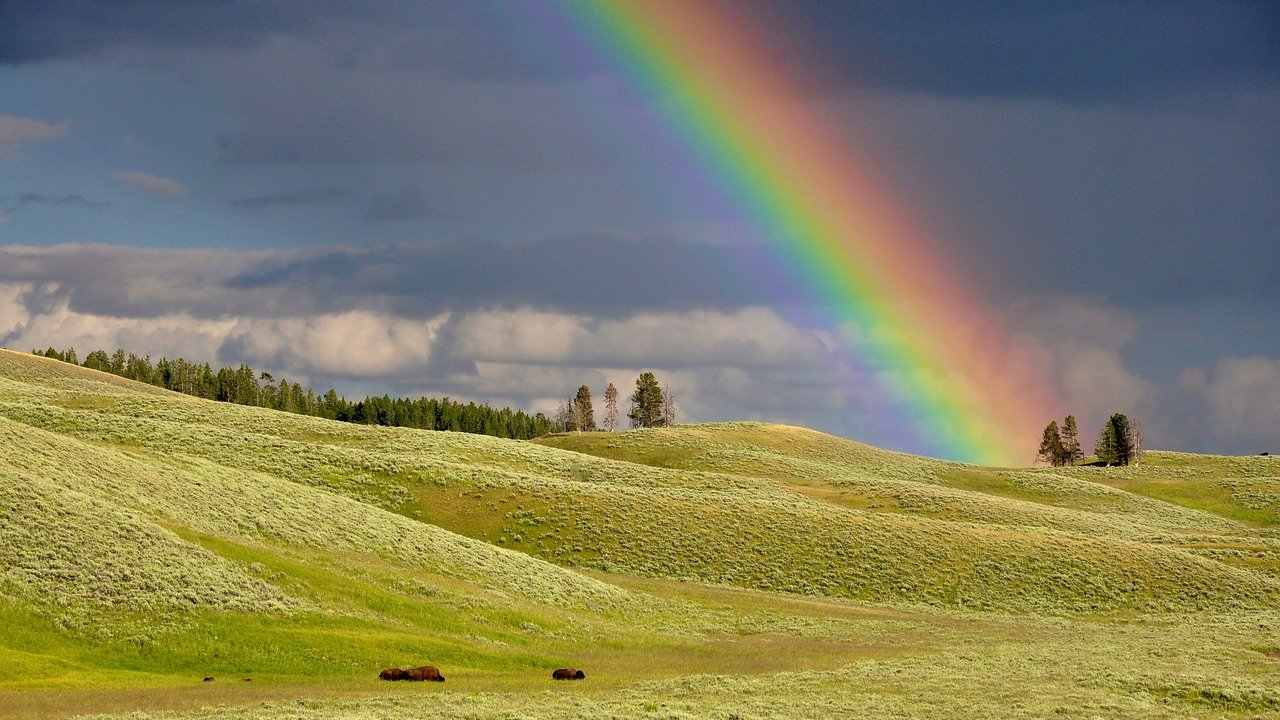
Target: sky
pixel 471 199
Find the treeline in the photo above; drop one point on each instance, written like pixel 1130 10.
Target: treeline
pixel 651 406
pixel 245 386
pixel 1119 442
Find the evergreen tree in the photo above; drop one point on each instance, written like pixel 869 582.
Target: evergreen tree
pixel 584 415
pixel 1105 446
pixel 1051 445
pixel 572 422
pixel 98 360
pixel 1122 434
pixel 610 407
pixel 118 362
pixel 1071 452
pixel 246 386
pixel 646 402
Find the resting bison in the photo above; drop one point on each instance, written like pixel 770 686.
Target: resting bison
pixel 391 674
pixel 568 674
pixel 426 672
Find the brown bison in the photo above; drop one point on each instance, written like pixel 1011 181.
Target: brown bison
pixel 568 674
pixel 426 672
pixel 391 674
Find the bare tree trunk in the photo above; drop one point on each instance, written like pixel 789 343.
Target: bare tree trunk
pixel 610 407
pixel 1135 439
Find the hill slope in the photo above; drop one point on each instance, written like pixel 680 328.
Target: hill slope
pixel 1227 508
pixel 148 538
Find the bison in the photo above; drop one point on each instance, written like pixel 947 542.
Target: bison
pixel 391 674
pixel 426 672
pixel 568 674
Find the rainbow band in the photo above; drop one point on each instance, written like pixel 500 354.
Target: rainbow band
pixel 945 355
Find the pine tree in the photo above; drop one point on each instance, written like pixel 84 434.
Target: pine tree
pixel 646 402
pixel 98 360
pixel 583 413
pixel 1071 452
pixel 610 407
pixel 574 422
pixel 1051 445
pixel 246 386
pixel 1105 446
pixel 1122 432
pixel 118 362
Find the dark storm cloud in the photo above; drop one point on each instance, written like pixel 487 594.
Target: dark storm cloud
pixel 608 276
pixel 407 203
pixel 73 201
pixel 294 198
pixel 345 116
pixel 35 30
pixel 28 200
pixel 1144 207
pixel 491 40
pixel 1090 50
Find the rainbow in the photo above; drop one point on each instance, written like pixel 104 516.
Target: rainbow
pixel 971 393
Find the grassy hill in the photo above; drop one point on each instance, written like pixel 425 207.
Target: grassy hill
pixel 149 539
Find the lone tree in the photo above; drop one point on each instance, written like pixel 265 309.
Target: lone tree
pixel 610 407
pixel 1051 445
pixel 646 402
pixel 584 417
pixel 1071 452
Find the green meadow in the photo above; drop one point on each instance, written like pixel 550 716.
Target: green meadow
pixel 149 540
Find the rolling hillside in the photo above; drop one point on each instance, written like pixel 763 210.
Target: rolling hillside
pixel 149 539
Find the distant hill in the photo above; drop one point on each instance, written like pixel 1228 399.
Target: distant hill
pixel 148 538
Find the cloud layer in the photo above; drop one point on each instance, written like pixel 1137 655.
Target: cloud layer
pixel 154 184
pixel 1242 395
pixel 744 363
pixel 15 130
pixel 604 275
pixel 731 362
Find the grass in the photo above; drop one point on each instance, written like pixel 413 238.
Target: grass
pixel 149 539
